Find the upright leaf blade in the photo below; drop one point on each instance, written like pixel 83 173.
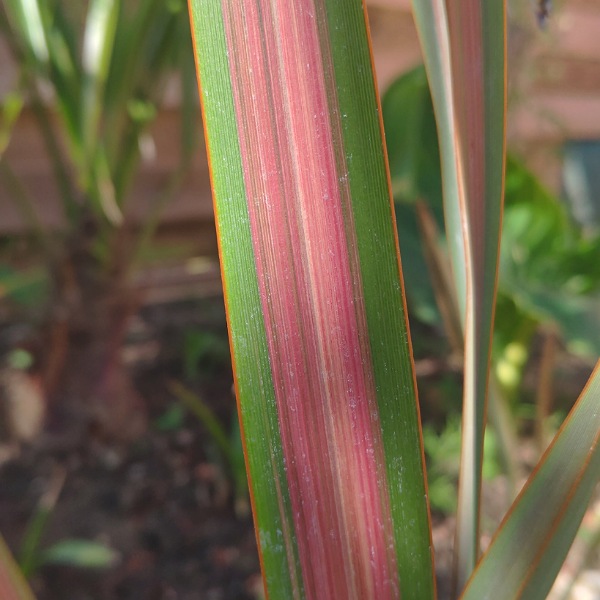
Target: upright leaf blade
pixel 464 45
pixel 432 25
pixel 533 540
pixel 12 583
pixel 324 378
pixel 98 41
pixel 98 45
pixel 26 16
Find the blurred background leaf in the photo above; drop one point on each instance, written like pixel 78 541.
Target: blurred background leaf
pixel 83 554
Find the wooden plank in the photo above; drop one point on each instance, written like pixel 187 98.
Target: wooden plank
pixel 26 155
pixel 395 43
pixel 556 117
pixel 558 74
pixel 559 99
pixel 576 33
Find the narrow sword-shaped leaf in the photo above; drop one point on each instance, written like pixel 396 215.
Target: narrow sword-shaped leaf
pixel 534 538
pixel 464 45
pixel 98 42
pixel 12 583
pixel 432 26
pixel 27 16
pixel 98 45
pixel 324 378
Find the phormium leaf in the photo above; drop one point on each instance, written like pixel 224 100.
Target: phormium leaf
pixel 314 297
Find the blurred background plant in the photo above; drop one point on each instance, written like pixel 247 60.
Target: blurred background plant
pixel 103 302
pixel 548 307
pixel 79 553
pixel 93 75
pixel 548 299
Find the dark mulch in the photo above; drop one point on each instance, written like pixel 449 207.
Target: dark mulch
pixel 164 502
pixel 160 505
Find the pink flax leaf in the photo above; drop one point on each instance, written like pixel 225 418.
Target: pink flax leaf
pixel 301 224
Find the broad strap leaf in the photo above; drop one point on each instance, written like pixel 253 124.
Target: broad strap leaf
pixel 324 377
pixel 532 542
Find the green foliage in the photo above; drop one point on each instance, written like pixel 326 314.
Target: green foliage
pixel 413 154
pixel 12 582
pixel 20 359
pixel 171 419
pixel 228 444
pixel 79 553
pixel 23 287
pixel 10 109
pixel 94 75
pixel 82 554
pixel 202 351
pixel 549 268
pixel 411 139
pixel 442 450
pixel 107 79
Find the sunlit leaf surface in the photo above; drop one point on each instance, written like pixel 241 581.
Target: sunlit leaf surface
pixel 324 378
